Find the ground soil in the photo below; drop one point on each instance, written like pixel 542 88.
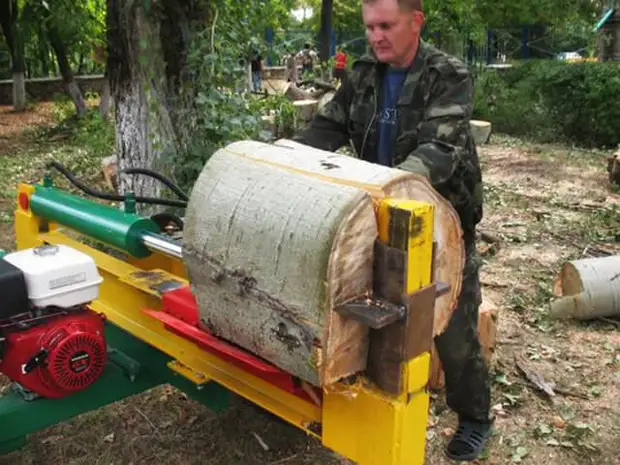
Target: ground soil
pixel 546 205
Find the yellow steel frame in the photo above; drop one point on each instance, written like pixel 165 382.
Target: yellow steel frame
pixel 357 421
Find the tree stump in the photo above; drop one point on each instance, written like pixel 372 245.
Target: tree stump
pixel 278 235
pixel 481 131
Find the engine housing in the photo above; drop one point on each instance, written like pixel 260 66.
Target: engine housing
pixel 64 354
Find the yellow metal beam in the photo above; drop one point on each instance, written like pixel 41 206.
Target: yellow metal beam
pixel 359 421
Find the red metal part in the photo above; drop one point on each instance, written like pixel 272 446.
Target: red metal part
pixel 56 358
pixel 180 316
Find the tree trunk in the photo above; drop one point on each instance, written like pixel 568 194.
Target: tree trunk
pixel 272 251
pixel 68 80
pixel 9 19
pixel 140 46
pixel 104 102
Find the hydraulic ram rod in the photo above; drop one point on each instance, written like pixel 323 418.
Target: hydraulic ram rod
pixel 157 243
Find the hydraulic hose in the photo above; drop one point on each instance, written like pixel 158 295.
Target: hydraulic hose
pixel 113 197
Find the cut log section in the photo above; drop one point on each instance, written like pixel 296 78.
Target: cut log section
pixel 588 289
pixel 481 131
pixel 279 235
pixel 487 334
pixel 306 110
pixel 270 253
pixel 379 182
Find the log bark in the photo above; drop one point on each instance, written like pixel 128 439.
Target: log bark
pixel 588 289
pixel 270 253
pixel 144 129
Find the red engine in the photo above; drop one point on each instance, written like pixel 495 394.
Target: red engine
pixel 55 355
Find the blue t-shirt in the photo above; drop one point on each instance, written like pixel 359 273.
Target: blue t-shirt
pixel 392 84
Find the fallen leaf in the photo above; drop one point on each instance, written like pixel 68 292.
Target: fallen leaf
pixel 558 422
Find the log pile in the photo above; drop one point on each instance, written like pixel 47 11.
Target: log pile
pixel 278 235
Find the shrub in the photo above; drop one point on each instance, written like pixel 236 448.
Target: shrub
pixel 552 100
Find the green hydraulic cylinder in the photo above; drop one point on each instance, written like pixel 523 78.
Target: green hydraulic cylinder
pixel 112 226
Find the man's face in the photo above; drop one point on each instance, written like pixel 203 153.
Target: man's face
pixel 392 33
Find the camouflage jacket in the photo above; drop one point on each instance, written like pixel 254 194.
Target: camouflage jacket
pixel 433 137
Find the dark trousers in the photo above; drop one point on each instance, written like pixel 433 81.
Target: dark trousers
pixel 467 377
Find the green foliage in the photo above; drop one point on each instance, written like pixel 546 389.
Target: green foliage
pixel 346 15
pixel 91 132
pixel 282 108
pixel 214 108
pixel 553 100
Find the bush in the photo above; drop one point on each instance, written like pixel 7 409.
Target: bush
pixel 552 101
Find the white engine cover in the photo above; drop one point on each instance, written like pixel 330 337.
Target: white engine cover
pixel 57 275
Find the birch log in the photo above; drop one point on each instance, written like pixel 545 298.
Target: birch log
pixel 588 289
pixel 270 253
pixel 378 181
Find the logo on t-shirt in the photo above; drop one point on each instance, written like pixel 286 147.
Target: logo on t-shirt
pixel 387 116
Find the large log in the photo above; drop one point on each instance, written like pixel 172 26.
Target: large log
pixel 270 253
pixel 277 237
pixel 379 182
pixel 588 289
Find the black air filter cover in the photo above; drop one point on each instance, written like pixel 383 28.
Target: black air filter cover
pixel 13 291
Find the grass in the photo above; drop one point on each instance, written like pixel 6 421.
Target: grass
pixel 546 203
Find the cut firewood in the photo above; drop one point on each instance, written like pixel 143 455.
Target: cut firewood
pixel 588 289
pixel 487 334
pixel 481 131
pixel 110 172
pixel 305 110
pixel 276 238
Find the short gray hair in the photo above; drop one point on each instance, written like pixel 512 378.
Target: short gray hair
pixel 409 5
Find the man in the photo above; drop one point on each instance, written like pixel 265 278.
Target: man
pixel 408 105
pixel 340 64
pixel 292 74
pixel 307 57
pixel 256 64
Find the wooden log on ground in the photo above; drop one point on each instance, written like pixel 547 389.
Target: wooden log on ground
pixel 481 131
pixel 306 109
pixel 588 289
pixel 277 237
pixel 487 334
pixel 110 172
